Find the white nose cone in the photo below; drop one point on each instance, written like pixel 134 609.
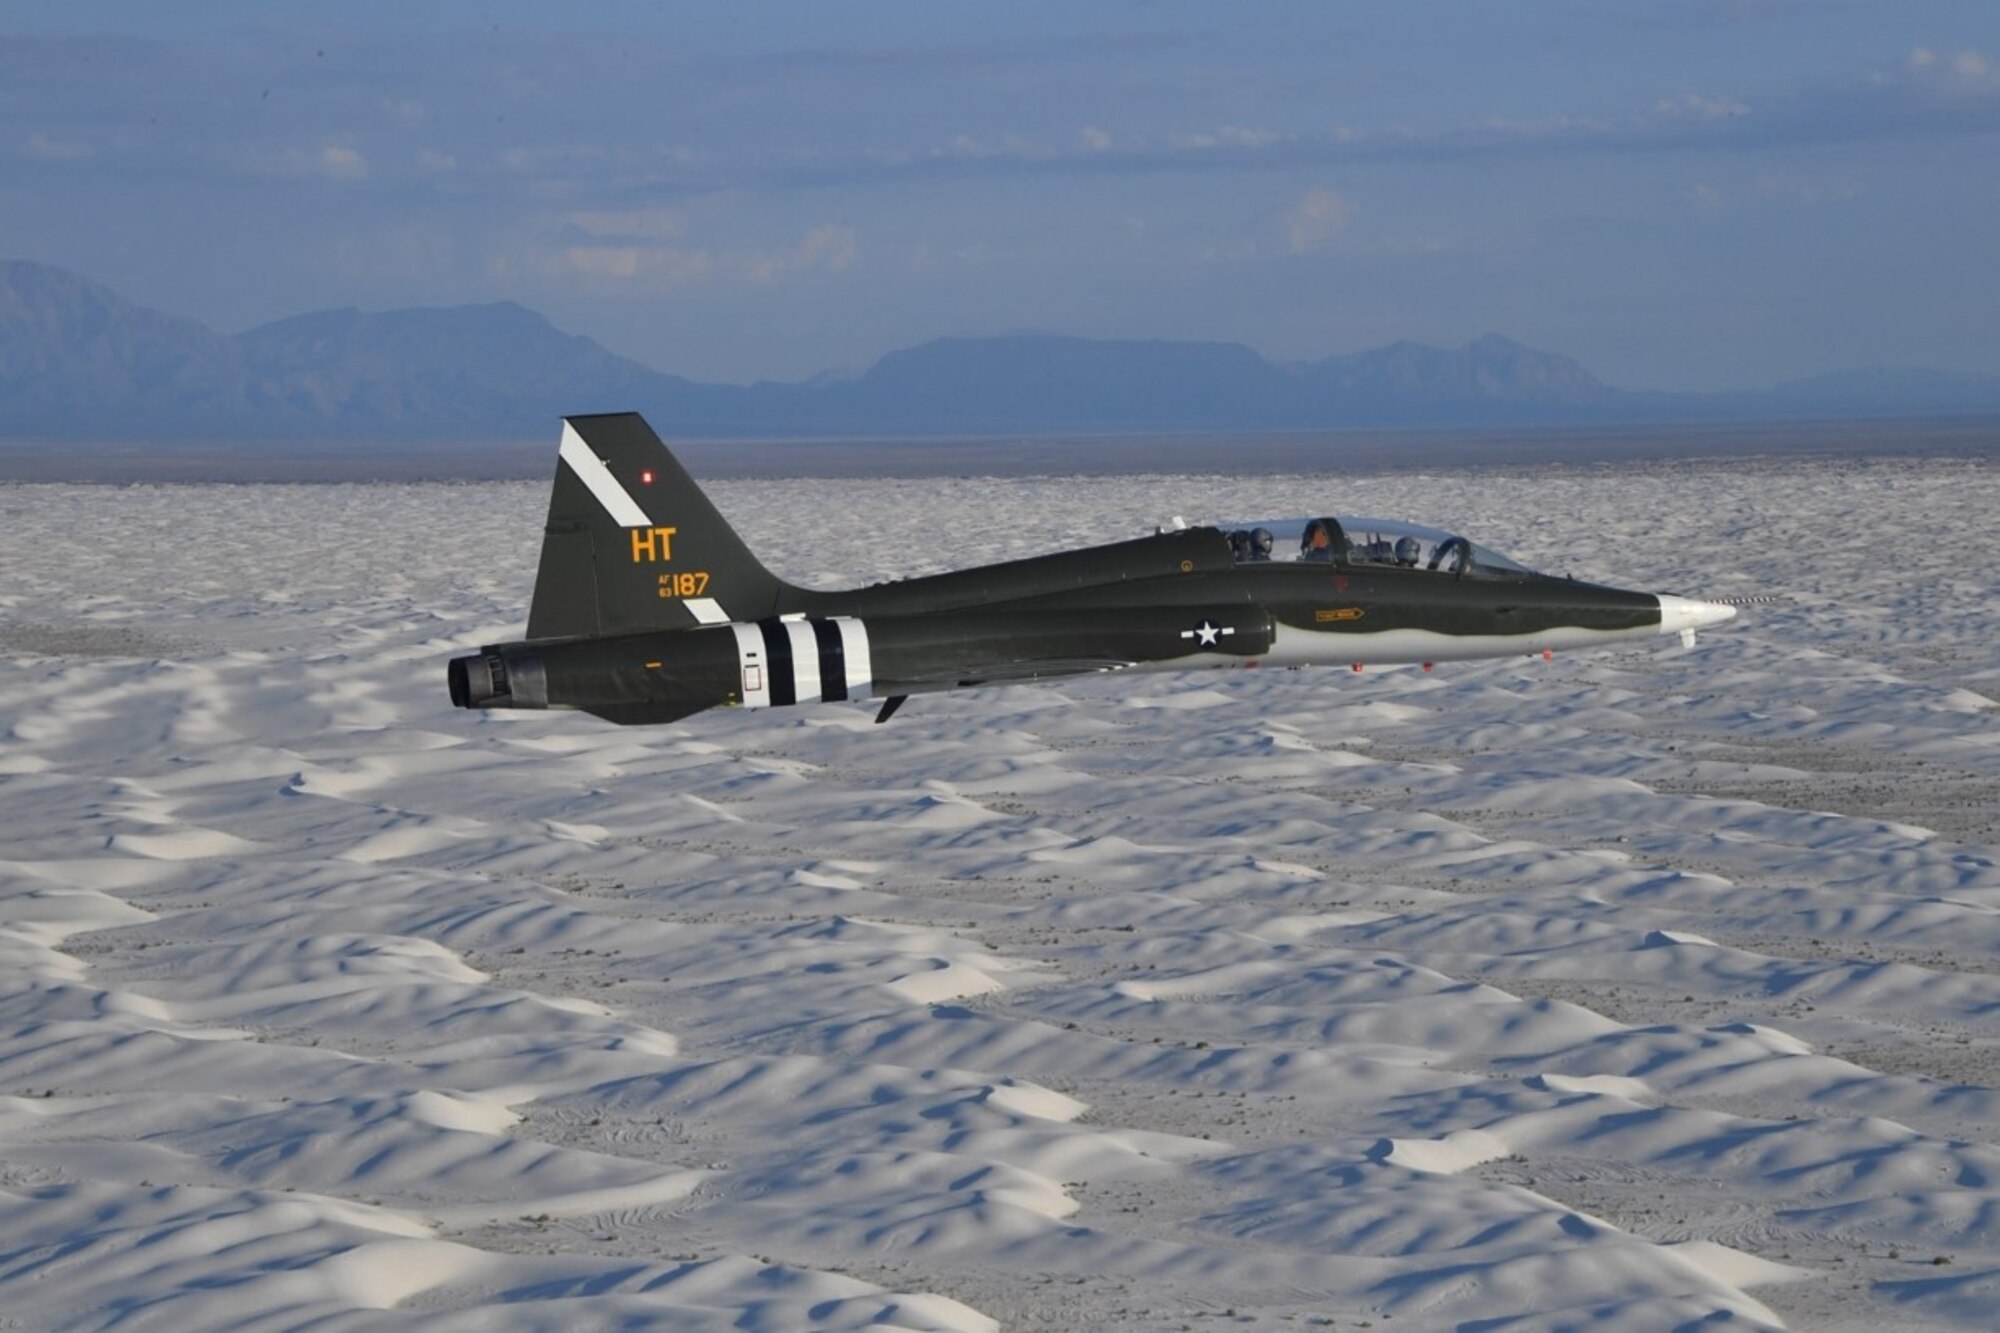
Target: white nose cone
pixel 1684 615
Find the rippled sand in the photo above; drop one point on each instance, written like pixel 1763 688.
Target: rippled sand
pixel 1620 991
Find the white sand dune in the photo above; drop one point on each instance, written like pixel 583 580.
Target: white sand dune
pixel 1629 991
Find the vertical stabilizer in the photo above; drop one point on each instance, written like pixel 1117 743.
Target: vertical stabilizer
pixel 632 543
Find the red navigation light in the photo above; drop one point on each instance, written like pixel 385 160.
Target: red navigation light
pixel 646 477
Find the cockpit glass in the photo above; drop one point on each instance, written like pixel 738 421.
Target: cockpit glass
pixel 1358 541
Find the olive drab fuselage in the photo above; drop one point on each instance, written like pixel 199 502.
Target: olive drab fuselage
pixel 649 608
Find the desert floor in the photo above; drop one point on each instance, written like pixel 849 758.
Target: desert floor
pixel 1619 991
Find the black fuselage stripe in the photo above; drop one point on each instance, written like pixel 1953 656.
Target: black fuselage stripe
pixel 832 661
pixel 778 649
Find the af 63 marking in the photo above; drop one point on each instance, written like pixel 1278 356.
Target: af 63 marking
pixel 687 583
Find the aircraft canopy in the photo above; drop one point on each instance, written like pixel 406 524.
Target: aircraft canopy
pixel 1354 540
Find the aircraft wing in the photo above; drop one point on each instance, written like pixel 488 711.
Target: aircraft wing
pixel 644 714
pixel 1041 668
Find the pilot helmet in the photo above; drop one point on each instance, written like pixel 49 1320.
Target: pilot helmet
pixel 1239 544
pixel 1313 529
pixel 1260 543
pixel 1408 550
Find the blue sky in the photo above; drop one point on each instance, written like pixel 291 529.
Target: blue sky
pixel 1688 194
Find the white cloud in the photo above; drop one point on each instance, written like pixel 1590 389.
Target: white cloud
pixel 666 263
pixel 340 162
pixel 1966 71
pixel 1316 218
pixel 1698 106
pixel 328 162
pixel 827 249
pixel 831 248
pixel 1805 188
pixel 1229 136
pixel 646 246
pixel 547 161
pixel 650 223
pixel 1094 139
pixel 39 145
pixel 406 111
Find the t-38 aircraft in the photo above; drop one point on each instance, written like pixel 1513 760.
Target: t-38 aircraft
pixel 648 607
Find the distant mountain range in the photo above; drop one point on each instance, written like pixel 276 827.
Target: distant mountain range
pixel 78 362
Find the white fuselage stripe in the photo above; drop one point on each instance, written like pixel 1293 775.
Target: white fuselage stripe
pixel 751 666
pixel 854 652
pixel 805 661
pixel 753 659
pixel 590 470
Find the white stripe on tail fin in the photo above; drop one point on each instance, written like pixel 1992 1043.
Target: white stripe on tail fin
pixel 632 543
